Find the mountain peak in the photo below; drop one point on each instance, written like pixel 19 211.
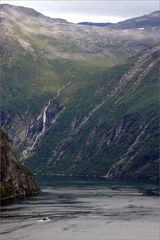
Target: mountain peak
pixel 155 14
pixel 145 21
pixel 30 12
pixel 24 10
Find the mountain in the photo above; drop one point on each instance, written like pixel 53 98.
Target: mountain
pixel 147 21
pixel 109 128
pixel 31 32
pixel 79 99
pixel 16 179
pixel 95 24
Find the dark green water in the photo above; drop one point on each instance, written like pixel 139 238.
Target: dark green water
pixel 84 209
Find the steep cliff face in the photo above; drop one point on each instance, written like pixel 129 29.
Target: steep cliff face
pixel 16 179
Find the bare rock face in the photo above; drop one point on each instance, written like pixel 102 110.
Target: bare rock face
pixel 16 179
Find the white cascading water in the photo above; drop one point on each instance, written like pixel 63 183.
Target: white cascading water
pixel 45 116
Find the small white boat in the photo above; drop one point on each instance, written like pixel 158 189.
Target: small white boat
pixel 44 219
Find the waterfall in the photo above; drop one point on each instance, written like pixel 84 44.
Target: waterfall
pixel 45 115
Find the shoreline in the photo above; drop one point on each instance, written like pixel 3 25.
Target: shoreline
pixel 11 199
pixel 99 176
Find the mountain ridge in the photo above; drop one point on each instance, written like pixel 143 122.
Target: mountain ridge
pixel 29 11
pixel 148 20
pixel 137 22
pixel 34 13
pixel 98 24
pixel 96 119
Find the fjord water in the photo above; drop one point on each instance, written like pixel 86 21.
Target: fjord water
pixel 83 209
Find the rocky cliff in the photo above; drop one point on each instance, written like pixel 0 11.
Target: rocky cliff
pixel 16 179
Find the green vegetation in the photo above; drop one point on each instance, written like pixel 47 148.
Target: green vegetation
pixel 32 81
pixel 25 170
pixel 16 179
pixel 3 136
pixel 106 118
pixel 6 191
pixel 80 153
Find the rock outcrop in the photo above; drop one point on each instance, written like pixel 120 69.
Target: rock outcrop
pixel 16 179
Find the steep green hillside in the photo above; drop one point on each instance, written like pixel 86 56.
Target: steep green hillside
pixel 32 81
pixel 79 99
pixel 116 119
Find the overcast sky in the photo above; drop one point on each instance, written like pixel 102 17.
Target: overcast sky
pixel 94 11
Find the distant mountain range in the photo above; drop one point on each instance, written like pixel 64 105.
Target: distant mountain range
pixel 95 24
pixel 78 99
pixel 151 20
pixel 147 21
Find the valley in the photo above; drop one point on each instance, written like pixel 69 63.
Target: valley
pixel 80 99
